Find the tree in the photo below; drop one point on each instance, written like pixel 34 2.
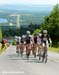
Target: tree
pixel 36 31
pixel 0 34
pixel 51 23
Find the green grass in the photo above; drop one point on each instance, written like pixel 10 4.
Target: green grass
pixel 54 49
pixel 2 49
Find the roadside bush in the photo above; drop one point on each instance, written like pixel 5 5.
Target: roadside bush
pixel 14 42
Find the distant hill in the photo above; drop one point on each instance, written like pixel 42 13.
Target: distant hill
pixel 26 8
pixel 37 12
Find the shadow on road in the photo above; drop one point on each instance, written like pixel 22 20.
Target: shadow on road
pixel 30 60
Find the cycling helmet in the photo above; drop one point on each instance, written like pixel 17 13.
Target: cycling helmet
pixel 23 36
pixel 44 31
pixel 15 37
pixel 28 32
pixel 40 34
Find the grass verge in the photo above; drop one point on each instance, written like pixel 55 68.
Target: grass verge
pixel 2 49
pixel 54 49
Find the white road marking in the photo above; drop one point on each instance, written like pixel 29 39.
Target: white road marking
pixel 12 72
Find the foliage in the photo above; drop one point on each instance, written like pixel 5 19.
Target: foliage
pixel 36 31
pixel 0 34
pixel 51 23
pixel 14 42
pixel 2 49
pixel 20 31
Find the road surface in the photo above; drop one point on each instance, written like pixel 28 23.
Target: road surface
pixel 11 64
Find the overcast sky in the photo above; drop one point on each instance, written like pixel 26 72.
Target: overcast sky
pixel 29 2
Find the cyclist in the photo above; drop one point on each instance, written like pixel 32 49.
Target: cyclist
pixel 28 40
pixel 45 43
pixel 46 38
pixel 18 44
pixel 22 45
pixel 35 45
pixel 39 43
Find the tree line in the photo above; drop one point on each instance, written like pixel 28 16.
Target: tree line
pixel 20 31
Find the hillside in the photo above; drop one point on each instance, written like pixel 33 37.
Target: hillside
pixel 36 13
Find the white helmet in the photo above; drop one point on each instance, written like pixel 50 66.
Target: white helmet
pixel 45 31
pixel 28 32
pixel 40 34
pixel 15 37
pixel 23 36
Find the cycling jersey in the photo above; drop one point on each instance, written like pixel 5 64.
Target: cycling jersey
pixel 22 40
pixel 45 39
pixel 18 40
pixel 35 39
pixel 28 39
pixel 39 40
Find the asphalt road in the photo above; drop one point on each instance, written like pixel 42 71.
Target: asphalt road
pixel 11 64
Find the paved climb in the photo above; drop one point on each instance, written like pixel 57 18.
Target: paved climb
pixel 11 64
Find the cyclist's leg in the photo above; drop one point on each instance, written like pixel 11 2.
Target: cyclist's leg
pixel 22 51
pixel 45 53
pixel 17 48
pixel 28 49
pixel 34 49
pixel 27 52
pixel 39 52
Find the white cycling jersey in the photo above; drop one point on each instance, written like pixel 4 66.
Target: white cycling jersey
pixel 18 39
pixel 38 40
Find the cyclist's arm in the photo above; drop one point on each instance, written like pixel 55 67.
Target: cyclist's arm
pixel 50 41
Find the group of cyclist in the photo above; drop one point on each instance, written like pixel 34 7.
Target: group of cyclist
pixel 36 44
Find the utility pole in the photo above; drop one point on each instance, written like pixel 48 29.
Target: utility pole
pixel 18 20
